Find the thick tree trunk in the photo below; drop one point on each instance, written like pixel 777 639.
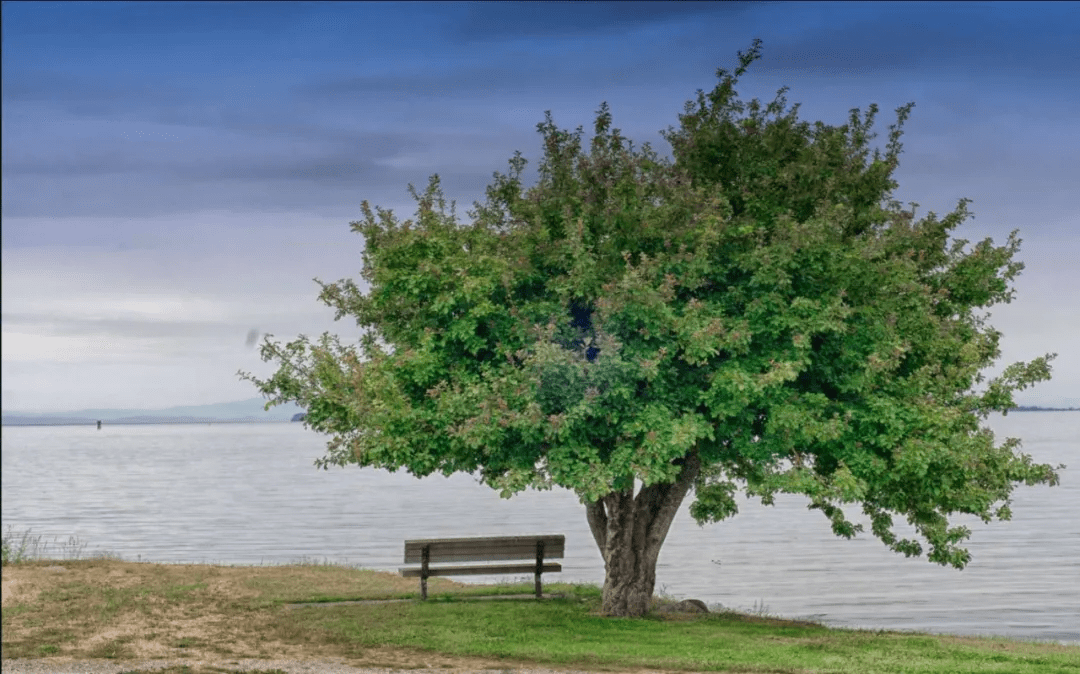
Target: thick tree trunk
pixel 630 530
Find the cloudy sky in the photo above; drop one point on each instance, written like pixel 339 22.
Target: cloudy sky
pixel 175 174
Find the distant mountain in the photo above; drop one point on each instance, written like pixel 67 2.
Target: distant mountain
pixel 251 410
pixel 243 410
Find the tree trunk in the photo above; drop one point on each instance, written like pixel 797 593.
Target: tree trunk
pixel 630 530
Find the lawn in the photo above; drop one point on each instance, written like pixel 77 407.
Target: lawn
pixel 107 608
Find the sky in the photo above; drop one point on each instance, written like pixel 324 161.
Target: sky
pixel 175 175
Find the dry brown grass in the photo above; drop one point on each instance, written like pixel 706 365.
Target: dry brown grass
pixel 204 613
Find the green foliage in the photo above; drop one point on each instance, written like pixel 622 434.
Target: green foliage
pixel 761 301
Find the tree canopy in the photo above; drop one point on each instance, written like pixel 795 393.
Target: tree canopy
pixel 757 313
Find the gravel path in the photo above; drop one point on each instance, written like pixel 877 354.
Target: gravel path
pixel 62 666
pixel 59 666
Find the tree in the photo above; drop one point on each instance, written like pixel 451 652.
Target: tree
pixel 757 313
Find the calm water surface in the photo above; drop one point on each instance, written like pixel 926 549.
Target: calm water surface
pixel 248 493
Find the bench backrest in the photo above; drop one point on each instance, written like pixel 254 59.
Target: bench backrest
pixel 483 549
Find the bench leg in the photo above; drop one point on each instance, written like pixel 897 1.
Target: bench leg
pixel 425 558
pixel 539 568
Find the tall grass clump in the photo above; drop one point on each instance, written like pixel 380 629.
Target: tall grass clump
pixel 25 547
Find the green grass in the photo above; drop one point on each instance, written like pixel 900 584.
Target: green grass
pixel 567 633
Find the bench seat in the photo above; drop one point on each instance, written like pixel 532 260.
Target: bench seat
pixel 487 549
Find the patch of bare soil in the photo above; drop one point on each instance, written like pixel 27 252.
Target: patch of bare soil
pixel 122 610
pixel 199 615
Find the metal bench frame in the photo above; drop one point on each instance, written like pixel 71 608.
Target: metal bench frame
pixel 499 548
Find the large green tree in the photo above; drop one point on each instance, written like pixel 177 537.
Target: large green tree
pixel 758 314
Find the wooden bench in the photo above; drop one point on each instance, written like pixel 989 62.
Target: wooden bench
pixel 438 550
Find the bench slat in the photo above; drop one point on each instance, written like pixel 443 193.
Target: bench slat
pixel 483 549
pixel 480 570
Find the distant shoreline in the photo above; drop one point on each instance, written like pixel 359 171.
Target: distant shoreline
pixel 15 420
pixel 131 422
pixel 253 410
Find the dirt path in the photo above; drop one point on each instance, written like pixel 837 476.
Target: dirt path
pixel 289 666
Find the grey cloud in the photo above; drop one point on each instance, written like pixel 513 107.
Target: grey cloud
pixel 254 154
pixel 325 168
pixel 76 19
pixel 89 96
pixel 35 99
pixel 184 336
pixel 83 23
pixel 247 161
pixel 320 189
pixel 246 150
pixel 979 41
pixel 485 21
pixel 117 327
pixel 341 170
pixel 461 82
pixel 607 68
pixel 142 196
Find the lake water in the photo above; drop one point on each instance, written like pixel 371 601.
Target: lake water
pixel 249 494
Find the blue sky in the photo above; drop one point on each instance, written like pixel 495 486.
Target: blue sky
pixel 175 174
